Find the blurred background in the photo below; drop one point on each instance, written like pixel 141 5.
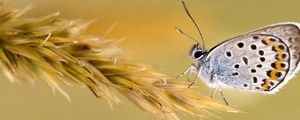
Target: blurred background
pixel 151 39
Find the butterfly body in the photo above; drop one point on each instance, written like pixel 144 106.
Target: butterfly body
pixel 263 60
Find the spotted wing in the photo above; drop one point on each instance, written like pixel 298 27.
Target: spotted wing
pixel 261 60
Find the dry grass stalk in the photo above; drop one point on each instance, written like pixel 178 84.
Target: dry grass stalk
pixel 56 51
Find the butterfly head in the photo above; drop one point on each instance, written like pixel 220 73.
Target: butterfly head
pixel 197 52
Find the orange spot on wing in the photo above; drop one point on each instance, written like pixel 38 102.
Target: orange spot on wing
pixel 273 74
pixel 280 56
pixel 266 84
pixel 267 41
pixel 278 66
pixel 277 48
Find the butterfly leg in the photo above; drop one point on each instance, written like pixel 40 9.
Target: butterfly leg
pixel 193 82
pixel 188 70
pixel 214 93
pixel 220 90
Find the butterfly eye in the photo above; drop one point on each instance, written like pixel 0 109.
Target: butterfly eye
pixel 198 54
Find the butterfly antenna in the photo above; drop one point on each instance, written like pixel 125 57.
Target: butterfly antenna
pixel 190 16
pixel 185 35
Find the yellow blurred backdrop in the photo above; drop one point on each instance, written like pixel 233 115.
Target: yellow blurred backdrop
pixel 148 26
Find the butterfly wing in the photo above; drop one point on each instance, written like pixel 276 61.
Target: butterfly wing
pixel 261 60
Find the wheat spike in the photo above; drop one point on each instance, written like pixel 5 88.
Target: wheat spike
pixel 57 52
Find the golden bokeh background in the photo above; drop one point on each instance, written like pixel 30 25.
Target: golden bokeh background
pixel 148 26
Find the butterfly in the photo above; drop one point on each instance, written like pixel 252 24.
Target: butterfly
pixel 263 60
